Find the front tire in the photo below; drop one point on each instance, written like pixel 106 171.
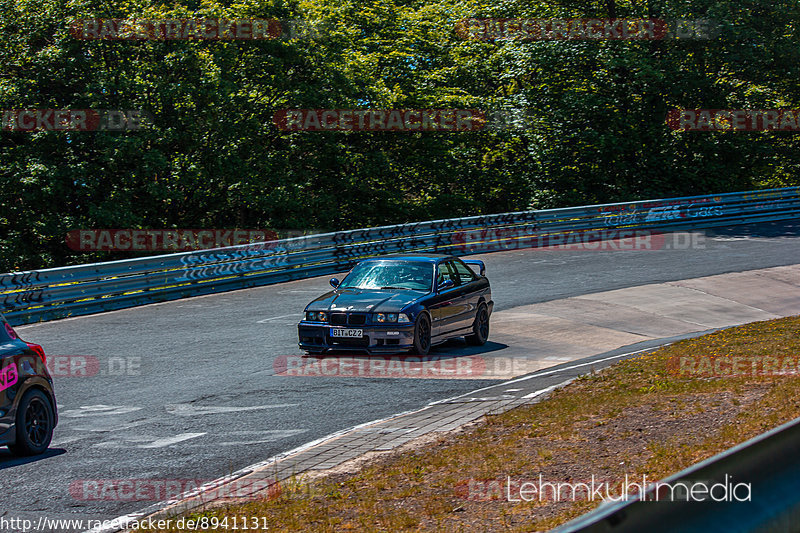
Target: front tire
pixel 422 335
pixel 34 424
pixel 480 327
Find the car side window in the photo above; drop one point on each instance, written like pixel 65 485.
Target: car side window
pixel 464 272
pixel 446 272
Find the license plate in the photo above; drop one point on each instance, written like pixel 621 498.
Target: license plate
pixel 347 333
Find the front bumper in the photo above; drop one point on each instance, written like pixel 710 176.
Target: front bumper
pixel 384 338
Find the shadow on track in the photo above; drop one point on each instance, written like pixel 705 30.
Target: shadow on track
pixel 448 350
pixel 8 460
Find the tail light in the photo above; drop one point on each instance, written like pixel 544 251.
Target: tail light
pixel 38 350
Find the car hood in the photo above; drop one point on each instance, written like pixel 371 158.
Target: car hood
pixel 365 300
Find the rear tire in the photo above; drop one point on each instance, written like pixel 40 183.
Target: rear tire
pixel 34 424
pixel 480 327
pixel 422 335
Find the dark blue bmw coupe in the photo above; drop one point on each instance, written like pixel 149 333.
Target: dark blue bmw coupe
pixel 398 303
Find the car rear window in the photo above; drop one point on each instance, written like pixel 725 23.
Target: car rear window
pixel 464 272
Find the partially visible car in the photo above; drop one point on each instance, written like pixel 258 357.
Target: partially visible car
pixel 400 303
pixel 28 412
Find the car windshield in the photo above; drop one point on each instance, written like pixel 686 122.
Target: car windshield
pixel 389 275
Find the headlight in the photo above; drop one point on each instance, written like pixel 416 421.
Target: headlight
pixel 391 317
pixel 311 315
pixel 317 316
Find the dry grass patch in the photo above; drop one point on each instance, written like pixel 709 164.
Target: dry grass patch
pixel 636 418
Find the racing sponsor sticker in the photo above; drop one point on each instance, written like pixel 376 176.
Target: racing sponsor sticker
pixel 8 376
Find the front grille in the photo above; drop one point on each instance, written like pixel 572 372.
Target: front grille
pixel 352 319
pixel 357 319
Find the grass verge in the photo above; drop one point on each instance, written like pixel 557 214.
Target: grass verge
pixel 651 415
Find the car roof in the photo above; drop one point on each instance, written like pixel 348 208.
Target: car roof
pixel 417 258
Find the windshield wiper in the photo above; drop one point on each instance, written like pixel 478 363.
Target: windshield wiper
pixel 389 288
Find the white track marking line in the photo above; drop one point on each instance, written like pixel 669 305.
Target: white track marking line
pixel 66 440
pixel 265 320
pixel 185 409
pixel 168 441
pixel 542 391
pixel 97 410
pixel 99 428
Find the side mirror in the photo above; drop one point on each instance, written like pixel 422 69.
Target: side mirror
pixel 334 282
pixel 446 284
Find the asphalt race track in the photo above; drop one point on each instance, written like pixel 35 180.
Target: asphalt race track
pixel 187 390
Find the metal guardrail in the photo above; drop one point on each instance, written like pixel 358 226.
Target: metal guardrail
pixel 767 464
pixel 53 293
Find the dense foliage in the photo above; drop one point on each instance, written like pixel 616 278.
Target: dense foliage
pixel 214 159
